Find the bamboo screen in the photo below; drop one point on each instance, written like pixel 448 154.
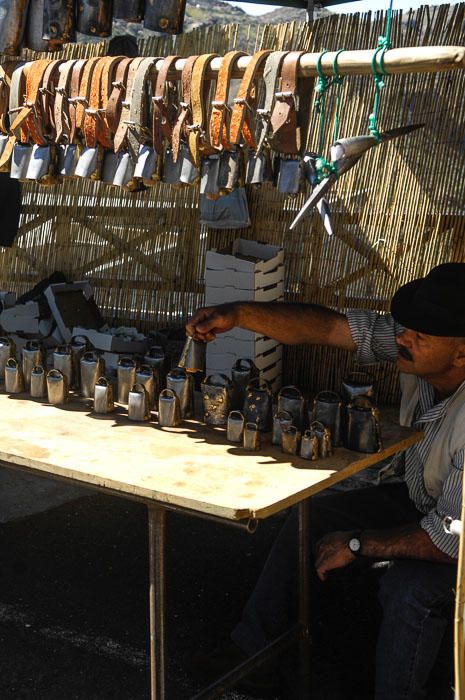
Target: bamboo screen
pixel 399 212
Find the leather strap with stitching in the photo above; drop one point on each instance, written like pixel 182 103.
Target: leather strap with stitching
pixel 6 71
pixel 220 116
pixel 164 108
pixel 184 116
pixel 271 72
pixel 113 108
pixel 288 136
pixel 123 126
pixel 61 105
pixel 138 119
pixel 82 99
pixel 94 127
pixel 76 76
pixel 242 113
pixel 104 133
pixel 47 98
pixel 28 121
pixel 197 138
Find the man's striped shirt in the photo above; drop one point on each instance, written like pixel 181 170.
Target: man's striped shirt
pixel 374 334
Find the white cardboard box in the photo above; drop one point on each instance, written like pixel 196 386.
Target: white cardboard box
pixel 244 280
pixel 217 361
pixel 251 346
pixel 267 257
pixel 222 295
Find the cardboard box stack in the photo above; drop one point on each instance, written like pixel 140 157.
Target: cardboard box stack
pixel 247 271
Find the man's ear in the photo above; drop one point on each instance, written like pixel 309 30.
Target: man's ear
pixel 459 357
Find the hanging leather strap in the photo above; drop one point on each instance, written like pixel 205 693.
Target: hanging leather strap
pixel 220 116
pixel 113 109
pixel 95 128
pixel 6 71
pixel 244 104
pixel 104 133
pixel 185 115
pixel 165 108
pixel 61 105
pixel 271 73
pixel 123 126
pixel 16 100
pixel 82 99
pixel 138 114
pixel 26 121
pixel 197 135
pixel 76 76
pixel 288 136
pixel 47 100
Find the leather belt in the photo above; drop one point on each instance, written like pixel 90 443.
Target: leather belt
pixel 271 72
pixel 28 121
pixel 94 126
pixel 244 103
pixel 288 135
pixel 219 120
pixel 197 131
pixel 47 99
pixel 82 99
pixel 76 76
pixel 164 105
pixel 6 71
pixel 123 126
pixel 104 133
pixel 61 106
pixel 184 117
pixel 113 109
pixel 138 112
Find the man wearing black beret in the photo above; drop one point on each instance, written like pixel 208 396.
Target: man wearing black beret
pixel 401 522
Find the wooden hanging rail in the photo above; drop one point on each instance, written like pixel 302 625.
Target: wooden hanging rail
pixel 416 59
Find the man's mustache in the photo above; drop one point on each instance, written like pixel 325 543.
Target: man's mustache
pixel 403 352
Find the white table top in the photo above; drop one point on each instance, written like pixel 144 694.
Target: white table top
pixel 191 467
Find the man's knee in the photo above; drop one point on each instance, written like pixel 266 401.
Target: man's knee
pixel 423 587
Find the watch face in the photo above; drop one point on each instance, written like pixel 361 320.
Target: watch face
pixel 355 545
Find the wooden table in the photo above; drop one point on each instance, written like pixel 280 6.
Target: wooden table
pixel 191 468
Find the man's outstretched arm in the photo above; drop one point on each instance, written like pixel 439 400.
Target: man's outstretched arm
pixel 288 323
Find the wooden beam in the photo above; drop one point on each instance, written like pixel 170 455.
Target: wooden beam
pixel 414 59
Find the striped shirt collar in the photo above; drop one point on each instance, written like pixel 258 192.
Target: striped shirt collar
pixel 428 410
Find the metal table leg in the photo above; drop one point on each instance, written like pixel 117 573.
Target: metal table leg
pixel 156 519
pixel 304 599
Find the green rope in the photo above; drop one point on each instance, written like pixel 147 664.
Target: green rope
pixel 321 86
pixel 337 80
pixel 383 45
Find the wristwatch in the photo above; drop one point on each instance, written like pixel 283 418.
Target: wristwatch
pixel 355 544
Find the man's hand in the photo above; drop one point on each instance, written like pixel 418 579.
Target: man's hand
pixel 332 552
pixel 207 322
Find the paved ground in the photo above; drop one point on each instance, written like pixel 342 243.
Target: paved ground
pixel 73 604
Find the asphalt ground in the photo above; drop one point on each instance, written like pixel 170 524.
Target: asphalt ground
pixel 74 605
